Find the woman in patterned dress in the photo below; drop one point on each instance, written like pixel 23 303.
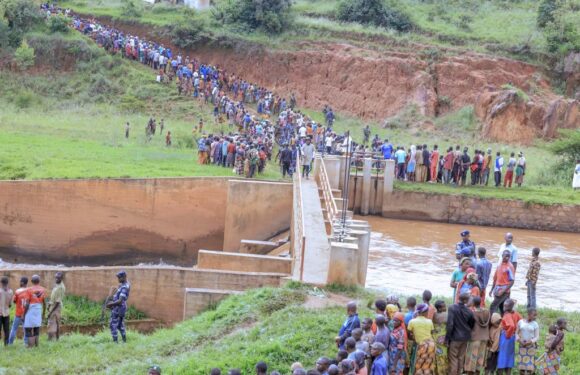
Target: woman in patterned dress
pixel 527 336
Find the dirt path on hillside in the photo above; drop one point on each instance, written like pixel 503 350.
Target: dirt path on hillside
pixel 362 82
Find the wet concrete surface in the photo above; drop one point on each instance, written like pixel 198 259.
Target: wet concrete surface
pixel 408 257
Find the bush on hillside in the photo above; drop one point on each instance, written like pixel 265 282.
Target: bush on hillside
pixel 560 23
pixel 190 33
pixel 58 23
pixel 271 16
pixel 24 56
pixel 131 8
pixel 546 11
pixel 374 12
pixel 19 16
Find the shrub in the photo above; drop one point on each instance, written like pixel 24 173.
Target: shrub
pixel 24 56
pixel 190 33
pixel 374 12
pixel 567 147
pixel 271 16
pixel 131 9
pixel 58 23
pixel 546 11
pixel 21 15
pixel 24 99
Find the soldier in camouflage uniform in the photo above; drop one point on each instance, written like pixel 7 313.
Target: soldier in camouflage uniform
pixel 118 306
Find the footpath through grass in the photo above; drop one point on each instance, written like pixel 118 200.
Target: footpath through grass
pixel 266 324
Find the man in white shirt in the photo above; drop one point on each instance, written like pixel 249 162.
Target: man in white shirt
pixel 509 246
pixel 497 169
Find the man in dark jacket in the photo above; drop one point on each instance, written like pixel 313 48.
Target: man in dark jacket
pixel 460 322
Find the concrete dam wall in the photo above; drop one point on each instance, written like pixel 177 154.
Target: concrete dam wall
pixel 129 221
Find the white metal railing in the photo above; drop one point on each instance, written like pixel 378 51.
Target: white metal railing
pixel 299 232
pixel 328 196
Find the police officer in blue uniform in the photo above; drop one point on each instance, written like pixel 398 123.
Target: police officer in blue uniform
pixel 465 248
pixel 118 306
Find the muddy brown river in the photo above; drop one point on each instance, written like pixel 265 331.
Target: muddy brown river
pixel 409 256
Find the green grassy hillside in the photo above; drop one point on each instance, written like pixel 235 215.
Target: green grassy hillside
pixel 274 325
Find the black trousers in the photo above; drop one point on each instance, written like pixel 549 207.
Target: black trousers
pixel 286 169
pixel 497 178
pixel 5 327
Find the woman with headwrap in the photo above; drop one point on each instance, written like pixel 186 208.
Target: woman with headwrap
pixel 440 322
pixel 421 329
pixel 393 307
pixel 398 345
pixel 468 284
pixel 493 343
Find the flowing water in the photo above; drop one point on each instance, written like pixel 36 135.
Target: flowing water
pixel 408 257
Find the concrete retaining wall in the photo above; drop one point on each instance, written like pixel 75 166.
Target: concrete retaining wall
pixel 198 300
pixel 219 260
pixel 256 210
pixel 469 210
pixel 158 291
pixel 111 221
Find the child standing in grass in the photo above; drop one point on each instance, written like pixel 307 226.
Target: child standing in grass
pixel 549 364
pixel 532 277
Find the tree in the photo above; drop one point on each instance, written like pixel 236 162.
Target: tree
pixel 24 56
pixel 374 12
pixel 546 12
pixel 20 14
pixel 269 15
pixel 58 23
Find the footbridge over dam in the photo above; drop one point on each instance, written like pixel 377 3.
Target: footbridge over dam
pixel 185 243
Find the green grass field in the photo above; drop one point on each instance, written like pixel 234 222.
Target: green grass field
pixel 264 324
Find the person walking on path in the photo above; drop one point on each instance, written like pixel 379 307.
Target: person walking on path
pixel 307 157
pixel 532 277
pixel 503 280
pixel 118 307
pixel 20 300
pixel 55 307
pixel 460 322
pixel 6 296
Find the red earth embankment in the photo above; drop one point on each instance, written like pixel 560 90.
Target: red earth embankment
pixel 376 85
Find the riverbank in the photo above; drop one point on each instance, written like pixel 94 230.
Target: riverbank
pixel 279 326
pixel 466 206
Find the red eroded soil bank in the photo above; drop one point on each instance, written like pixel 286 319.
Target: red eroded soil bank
pixel 376 85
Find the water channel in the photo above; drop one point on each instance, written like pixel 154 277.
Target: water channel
pixel 408 257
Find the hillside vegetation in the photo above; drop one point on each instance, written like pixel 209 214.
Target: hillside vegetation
pixel 506 27
pixel 273 325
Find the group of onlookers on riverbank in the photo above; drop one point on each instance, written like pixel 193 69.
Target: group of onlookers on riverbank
pixel 453 166
pixel 464 337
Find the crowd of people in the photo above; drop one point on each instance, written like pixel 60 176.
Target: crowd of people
pixel 33 302
pixel 466 337
pixel 454 165
pixel 31 305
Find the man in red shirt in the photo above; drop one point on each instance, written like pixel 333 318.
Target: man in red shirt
pixel 20 300
pixel 34 311
pixel 503 280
